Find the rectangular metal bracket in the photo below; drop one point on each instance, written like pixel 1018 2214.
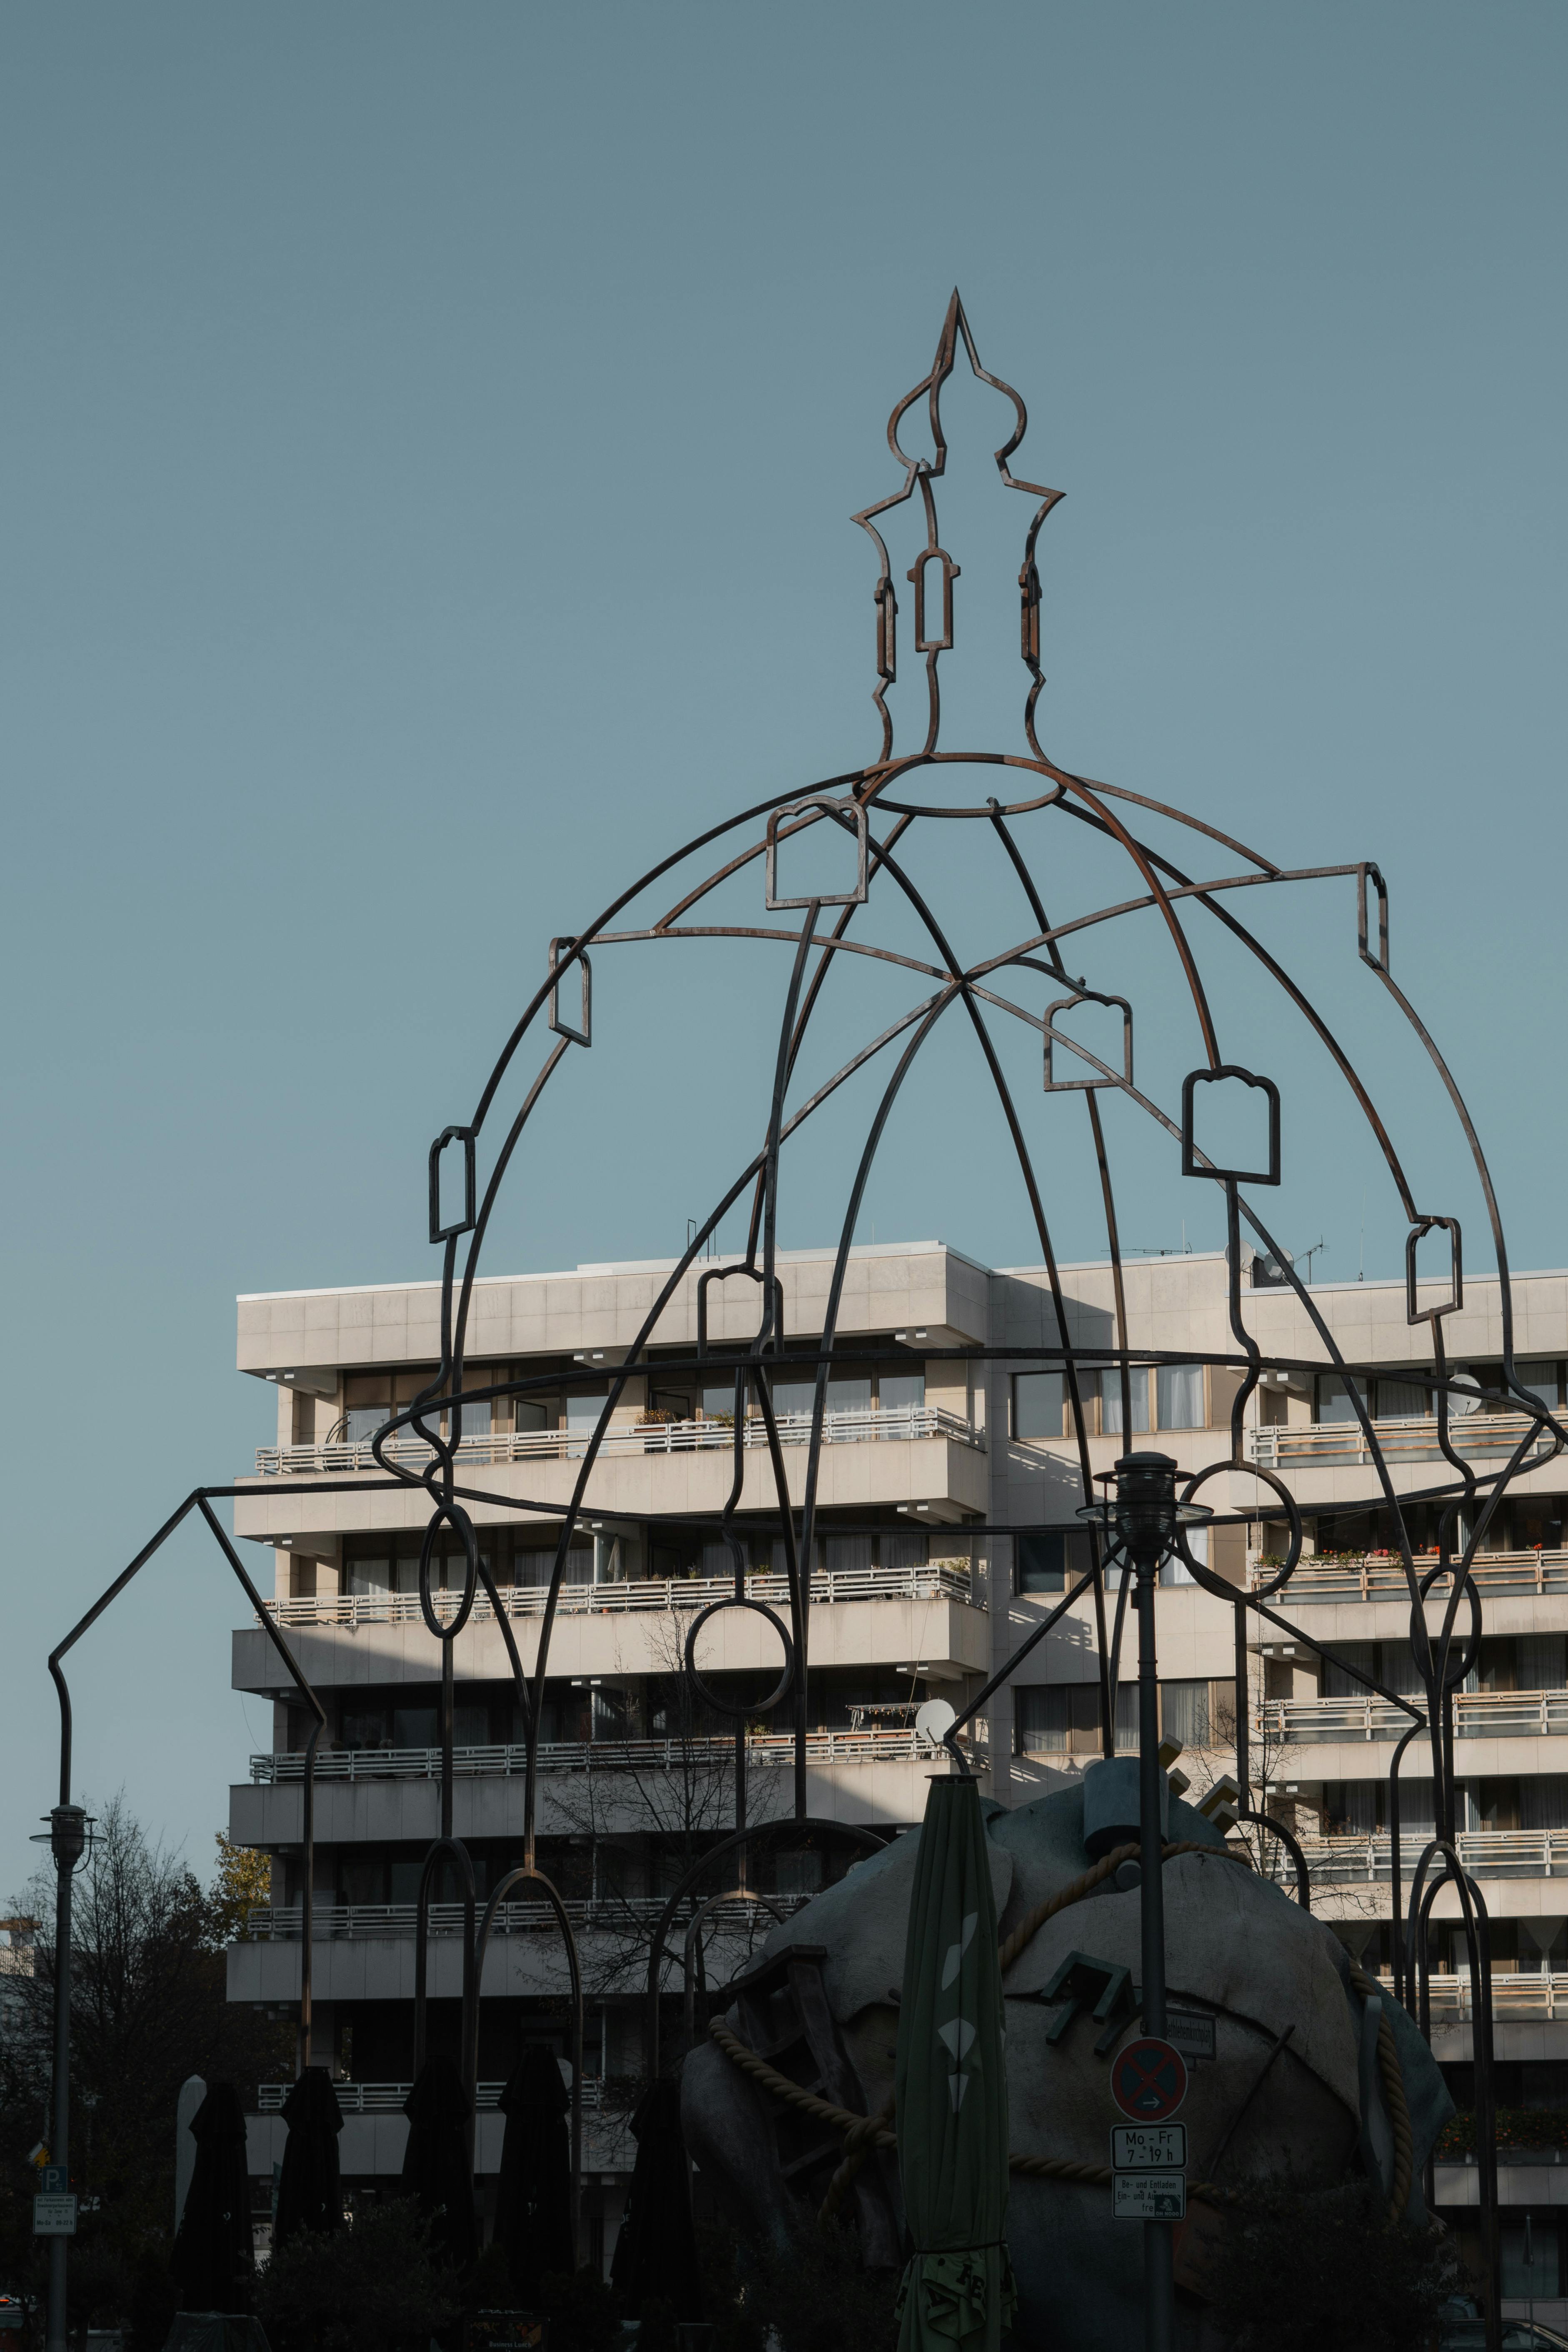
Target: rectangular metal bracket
pixel 465 1136
pixel 1456 1299
pixel 836 810
pixel 584 1036
pixel 1190 1084
pixel 1055 1085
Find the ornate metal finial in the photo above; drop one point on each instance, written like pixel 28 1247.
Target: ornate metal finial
pixel 933 597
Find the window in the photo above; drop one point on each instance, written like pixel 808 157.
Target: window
pixel 1543 1801
pixel 368 1399
pixel 799 1873
pixel 1401 1400
pixel 1542 1377
pixel 1185 1713
pixel 1181 1395
pixel 1041 1562
pixel 1335 1398
pixel 1541 1661
pixel 1531 2261
pixel 901 1391
pixel 367 1576
pixel 1057 1718
pixel 1036 1405
pixel 790 1397
pixel 898 1551
pixel 1338 1683
pixel 719 1401
pixel 848 1554
pixel 1110 1399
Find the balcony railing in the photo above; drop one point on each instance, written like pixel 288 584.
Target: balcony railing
pixel 1478 1715
pixel 624 1915
pixel 1375 1576
pixel 936 1579
pixel 387 2099
pixel 899 1424
pixel 1364 1861
pixel 511 1761
pixel 1332 1444
pixel 1512 1996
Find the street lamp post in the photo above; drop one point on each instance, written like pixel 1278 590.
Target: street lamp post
pixel 1142 1520
pixel 67 1841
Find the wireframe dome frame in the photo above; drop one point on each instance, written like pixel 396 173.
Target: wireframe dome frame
pixel 856 804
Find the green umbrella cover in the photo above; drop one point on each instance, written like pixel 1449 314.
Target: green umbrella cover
pixel 953 2090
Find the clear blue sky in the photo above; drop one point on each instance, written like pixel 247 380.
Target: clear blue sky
pixel 430 438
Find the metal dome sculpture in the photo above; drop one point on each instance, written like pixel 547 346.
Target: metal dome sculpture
pixel 878 829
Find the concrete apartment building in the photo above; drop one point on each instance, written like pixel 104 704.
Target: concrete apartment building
pixel 908 1602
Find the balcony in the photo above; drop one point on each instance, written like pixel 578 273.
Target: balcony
pixel 373 1922
pixel 1340 1444
pixel 387 2099
pixel 901 1425
pixel 1363 1861
pixel 1512 1997
pixel 1380 1576
pixel 874 1745
pixel 1478 1715
pixel 936 1579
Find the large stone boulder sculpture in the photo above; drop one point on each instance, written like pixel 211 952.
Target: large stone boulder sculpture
pixel 1298 2085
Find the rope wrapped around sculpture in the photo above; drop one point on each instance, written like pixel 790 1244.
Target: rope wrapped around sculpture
pixel 863 2133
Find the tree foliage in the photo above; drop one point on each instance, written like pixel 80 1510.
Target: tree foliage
pixel 1302 2270
pixel 148 2009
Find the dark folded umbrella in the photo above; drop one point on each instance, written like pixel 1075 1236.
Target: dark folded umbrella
pixel 655 2253
pixel 310 2186
pixel 435 2162
pixel 212 2262
pixel 533 2208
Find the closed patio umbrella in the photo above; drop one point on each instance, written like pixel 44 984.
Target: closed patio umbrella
pixel 309 2186
pixel 952 2096
pixel 435 2162
pixel 213 2262
pixel 533 2207
pixel 655 2253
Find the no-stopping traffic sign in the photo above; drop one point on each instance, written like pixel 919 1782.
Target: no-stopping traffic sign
pixel 1148 2080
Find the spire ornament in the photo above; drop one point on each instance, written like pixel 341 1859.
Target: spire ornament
pixel 933 571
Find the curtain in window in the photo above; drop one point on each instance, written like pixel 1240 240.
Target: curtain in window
pixel 1041 1715
pixel 1352 1806
pixel 717 1561
pixel 1539 1375
pixel 1399 1670
pixel 1181 1395
pixel 1185 1713
pixel 903 1552
pixel 1541 1662
pixel 1110 1399
pixel 847 1553
pixel 1401 1399
pixel 898 1391
pixel 370 1576
pixel 1417 1815
pixel 1126 1716
pixel 1543 1801
pixel 1334 1396
pixel 1337 1683
pixel 850 1392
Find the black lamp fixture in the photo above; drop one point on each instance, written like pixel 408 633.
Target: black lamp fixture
pixel 1145 1516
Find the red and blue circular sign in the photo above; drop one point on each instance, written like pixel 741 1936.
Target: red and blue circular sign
pixel 1149 2080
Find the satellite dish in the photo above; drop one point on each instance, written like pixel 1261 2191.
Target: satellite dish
pixel 934 1720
